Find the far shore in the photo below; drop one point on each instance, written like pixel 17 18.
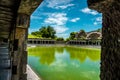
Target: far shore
pixel 62 45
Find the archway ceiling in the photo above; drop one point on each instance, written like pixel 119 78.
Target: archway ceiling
pixel 8 9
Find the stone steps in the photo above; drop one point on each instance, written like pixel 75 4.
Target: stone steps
pixel 5 74
pixel 5 63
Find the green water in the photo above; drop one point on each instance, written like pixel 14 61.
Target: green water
pixel 65 63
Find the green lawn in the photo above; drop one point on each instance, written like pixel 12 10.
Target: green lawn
pixel 32 36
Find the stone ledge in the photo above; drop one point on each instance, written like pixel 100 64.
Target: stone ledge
pixel 31 75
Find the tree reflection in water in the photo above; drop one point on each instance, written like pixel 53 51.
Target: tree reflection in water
pixel 47 54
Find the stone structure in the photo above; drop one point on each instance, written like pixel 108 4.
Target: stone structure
pixel 37 41
pixel 110 54
pixel 88 35
pixel 86 42
pixel 14 23
pixel 81 42
pixel 40 41
pixel 94 35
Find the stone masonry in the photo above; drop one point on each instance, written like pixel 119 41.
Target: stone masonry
pixel 14 23
pixel 110 52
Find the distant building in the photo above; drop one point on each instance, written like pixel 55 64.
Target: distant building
pixel 93 35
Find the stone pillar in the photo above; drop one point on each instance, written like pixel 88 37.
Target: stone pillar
pixel 87 42
pixel 31 41
pixel 41 41
pixel 110 52
pixel 20 52
pixel 96 43
pixel 37 41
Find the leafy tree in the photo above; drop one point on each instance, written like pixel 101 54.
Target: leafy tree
pixel 72 35
pixel 81 35
pixel 98 30
pixel 67 39
pixel 51 32
pixel 45 32
pixel 36 33
pixel 60 39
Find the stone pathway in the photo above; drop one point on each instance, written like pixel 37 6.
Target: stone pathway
pixel 31 75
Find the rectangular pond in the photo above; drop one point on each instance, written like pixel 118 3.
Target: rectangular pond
pixel 65 63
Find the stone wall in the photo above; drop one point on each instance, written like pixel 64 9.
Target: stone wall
pixel 14 23
pixel 17 34
pixel 110 52
pixel 19 53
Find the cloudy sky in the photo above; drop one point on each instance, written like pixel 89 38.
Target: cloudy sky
pixel 65 16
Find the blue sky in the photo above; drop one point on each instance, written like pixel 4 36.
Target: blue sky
pixel 65 16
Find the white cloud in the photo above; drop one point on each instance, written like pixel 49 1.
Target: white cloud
pixel 57 4
pixel 60 29
pixel 32 30
pixel 65 35
pixel 75 19
pixel 95 23
pixel 58 21
pixel 64 6
pixel 98 21
pixel 89 11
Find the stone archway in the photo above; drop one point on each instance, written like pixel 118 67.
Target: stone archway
pixel 110 52
pixel 10 28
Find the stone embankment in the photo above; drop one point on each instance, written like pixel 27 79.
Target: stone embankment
pixel 31 75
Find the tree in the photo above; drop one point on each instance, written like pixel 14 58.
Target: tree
pixel 36 33
pixel 51 32
pixel 81 35
pixel 72 35
pixel 60 39
pixel 98 30
pixel 68 39
pixel 45 32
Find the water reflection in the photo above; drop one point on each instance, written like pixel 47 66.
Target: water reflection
pixel 81 54
pixel 47 54
pixel 65 63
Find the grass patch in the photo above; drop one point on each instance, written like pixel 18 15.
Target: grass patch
pixel 32 36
